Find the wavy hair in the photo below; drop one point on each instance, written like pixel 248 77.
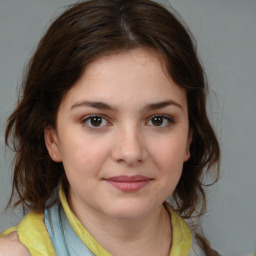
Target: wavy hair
pixel 84 32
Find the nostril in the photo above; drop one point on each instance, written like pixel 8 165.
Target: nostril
pixel 128 153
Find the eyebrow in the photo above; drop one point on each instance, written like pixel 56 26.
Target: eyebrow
pixel 104 106
pixel 93 104
pixel 163 104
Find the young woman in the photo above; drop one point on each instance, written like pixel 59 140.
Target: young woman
pixel 111 123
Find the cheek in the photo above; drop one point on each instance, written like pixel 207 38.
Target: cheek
pixel 83 156
pixel 168 156
pixel 81 168
pixel 170 151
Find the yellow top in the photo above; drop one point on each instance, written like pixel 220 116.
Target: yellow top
pixel 33 234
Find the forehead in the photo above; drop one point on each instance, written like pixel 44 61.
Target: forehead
pixel 120 61
pixel 134 76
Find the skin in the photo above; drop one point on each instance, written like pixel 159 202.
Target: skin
pixel 127 140
pixel 10 245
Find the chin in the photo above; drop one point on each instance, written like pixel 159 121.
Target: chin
pixel 129 211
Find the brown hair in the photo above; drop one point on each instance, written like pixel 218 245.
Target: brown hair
pixel 81 34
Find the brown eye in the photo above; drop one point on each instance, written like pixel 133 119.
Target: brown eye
pixel 157 120
pixel 160 121
pixel 95 121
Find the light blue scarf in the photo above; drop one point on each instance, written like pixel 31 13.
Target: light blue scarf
pixel 64 239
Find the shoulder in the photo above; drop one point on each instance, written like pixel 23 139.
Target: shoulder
pixel 29 237
pixel 10 245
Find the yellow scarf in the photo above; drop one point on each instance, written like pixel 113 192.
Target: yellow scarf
pixel 33 233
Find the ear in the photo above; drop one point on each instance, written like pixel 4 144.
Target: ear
pixel 187 153
pixel 52 144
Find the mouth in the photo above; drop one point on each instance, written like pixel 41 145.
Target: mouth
pixel 129 183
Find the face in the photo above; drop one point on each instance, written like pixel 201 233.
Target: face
pixel 122 135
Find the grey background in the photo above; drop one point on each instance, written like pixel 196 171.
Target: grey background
pixel 225 31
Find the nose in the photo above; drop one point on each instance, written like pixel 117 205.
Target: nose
pixel 129 147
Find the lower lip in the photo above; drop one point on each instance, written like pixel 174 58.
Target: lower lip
pixel 129 186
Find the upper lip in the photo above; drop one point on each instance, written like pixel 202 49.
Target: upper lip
pixel 125 178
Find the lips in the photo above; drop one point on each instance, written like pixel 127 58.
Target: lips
pixel 129 183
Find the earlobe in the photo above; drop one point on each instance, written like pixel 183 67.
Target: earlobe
pixel 187 153
pixel 52 145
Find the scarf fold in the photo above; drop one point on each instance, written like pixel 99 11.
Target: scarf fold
pixel 70 237
pixel 58 232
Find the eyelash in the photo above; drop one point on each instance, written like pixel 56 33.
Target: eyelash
pixel 90 117
pixel 168 119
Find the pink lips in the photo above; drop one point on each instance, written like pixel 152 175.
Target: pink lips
pixel 129 183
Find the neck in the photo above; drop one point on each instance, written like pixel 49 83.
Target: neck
pixel 149 235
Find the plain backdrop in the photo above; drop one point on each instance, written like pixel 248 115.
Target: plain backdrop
pixel 225 31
